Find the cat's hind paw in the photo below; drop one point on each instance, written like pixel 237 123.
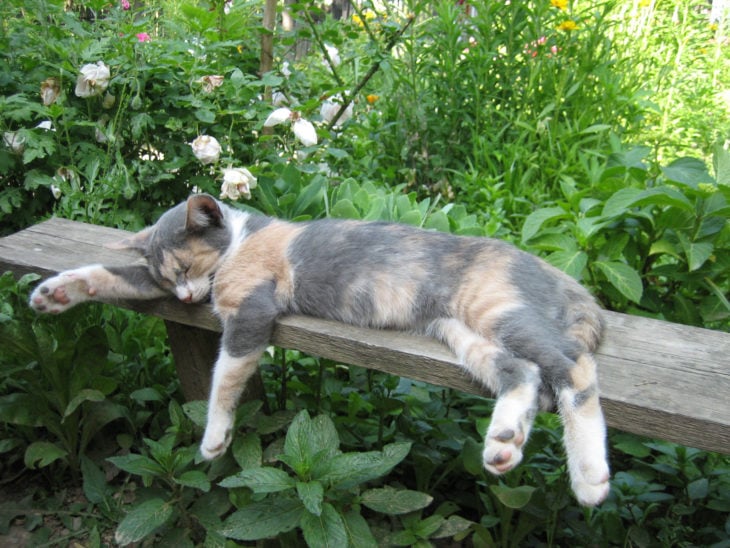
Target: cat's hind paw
pixel 591 484
pixel 62 292
pixel 503 450
pixel 216 440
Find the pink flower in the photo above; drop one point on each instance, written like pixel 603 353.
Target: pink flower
pixel 143 37
pixel 125 5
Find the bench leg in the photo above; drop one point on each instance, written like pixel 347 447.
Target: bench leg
pixel 195 351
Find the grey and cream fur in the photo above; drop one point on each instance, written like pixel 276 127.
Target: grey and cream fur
pixel 519 326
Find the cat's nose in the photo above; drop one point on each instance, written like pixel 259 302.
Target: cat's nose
pixel 187 298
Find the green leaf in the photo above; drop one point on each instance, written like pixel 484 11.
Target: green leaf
pixel 261 480
pixel 247 451
pixel 88 394
pixel 137 464
pixel 349 469
pixel 143 520
pixel 626 198
pixel 42 453
pixel 264 519
pixel 687 171
pixel 344 209
pixel 573 263
pixel 196 411
pixel 309 439
pixel 94 484
pixel 513 497
pixel 454 525
pixel 326 529
pixel 194 478
pixel 698 489
pixel 395 501
pixel 536 219
pixel 311 494
pixel 358 530
pixel 721 163
pixel 622 277
pixel 696 252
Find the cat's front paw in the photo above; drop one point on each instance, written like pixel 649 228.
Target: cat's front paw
pixel 61 292
pixel 503 450
pixel 217 438
pixel 591 483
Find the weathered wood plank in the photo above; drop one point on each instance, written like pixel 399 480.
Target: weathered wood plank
pixel 657 379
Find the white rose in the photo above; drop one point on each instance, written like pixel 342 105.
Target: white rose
pixel 305 132
pixel 50 89
pixel 329 110
pixel 93 80
pixel 14 141
pixel 207 149
pixel 237 182
pixel 278 116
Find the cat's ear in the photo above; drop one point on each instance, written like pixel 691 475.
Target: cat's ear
pixel 137 242
pixel 203 211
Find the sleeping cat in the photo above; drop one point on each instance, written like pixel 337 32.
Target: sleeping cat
pixel 522 328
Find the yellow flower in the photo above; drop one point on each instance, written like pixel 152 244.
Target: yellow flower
pixel 372 98
pixel 560 4
pixel 568 25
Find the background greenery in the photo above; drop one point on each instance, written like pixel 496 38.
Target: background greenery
pixel 592 133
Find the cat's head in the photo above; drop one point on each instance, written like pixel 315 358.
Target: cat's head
pixel 184 247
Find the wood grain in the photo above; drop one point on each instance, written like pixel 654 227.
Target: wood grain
pixel 658 379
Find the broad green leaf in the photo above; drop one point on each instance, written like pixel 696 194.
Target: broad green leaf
pixel 622 277
pixel 196 411
pixel 344 209
pixel 142 521
pixel 513 497
pixel 428 526
pixel 573 263
pixel 349 469
pixel 395 501
pixel 20 408
pixel 696 252
pixel 265 519
pixel 358 530
pixel 626 198
pixel 326 530
pixel 698 489
pixel 247 451
pixel 137 464
pixel 194 478
pixel 308 439
pixel 311 493
pixel 94 484
pixel 261 480
pixel 453 526
pixel 42 453
pixel 687 171
pixel 88 394
pixel 536 219
pixel 721 163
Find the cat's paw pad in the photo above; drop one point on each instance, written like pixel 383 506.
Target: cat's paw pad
pixel 215 441
pixel 61 292
pixel 503 450
pixel 591 485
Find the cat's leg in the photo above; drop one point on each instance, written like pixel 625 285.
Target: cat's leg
pixel 94 283
pixel 229 379
pixel 584 433
pixel 248 322
pixel 515 382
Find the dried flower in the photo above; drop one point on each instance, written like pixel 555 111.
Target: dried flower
pixel 237 182
pixel 303 129
pixel 210 82
pixel 93 80
pixel 207 149
pixel 50 90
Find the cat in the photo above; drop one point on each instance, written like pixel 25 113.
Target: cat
pixel 521 327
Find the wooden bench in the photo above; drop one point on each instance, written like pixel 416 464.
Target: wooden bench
pixel 657 379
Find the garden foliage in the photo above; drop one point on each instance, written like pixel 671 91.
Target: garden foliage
pixel 592 133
